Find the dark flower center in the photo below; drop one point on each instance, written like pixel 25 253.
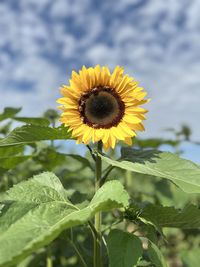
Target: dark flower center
pixel 101 107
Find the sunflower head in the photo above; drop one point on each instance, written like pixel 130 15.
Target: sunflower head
pixel 99 105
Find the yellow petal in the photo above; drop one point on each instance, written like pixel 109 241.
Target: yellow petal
pixel 106 146
pixel 97 70
pixel 69 92
pixel 128 141
pixel 105 136
pixel 84 78
pixel 133 110
pixel 105 76
pixel 79 130
pixel 131 119
pixel 124 127
pixel 91 73
pixel 112 140
pixel 116 75
pixel 122 86
pixel 117 133
pixel 87 135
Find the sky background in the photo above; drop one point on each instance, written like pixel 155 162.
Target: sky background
pixel 157 41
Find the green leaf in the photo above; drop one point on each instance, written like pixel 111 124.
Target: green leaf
pixel 9 113
pixel 49 158
pixel 33 133
pixel 32 120
pixel 11 162
pixel 154 142
pixel 182 172
pixel 2 171
pixel 85 162
pixel 11 151
pixel 37 211
pixel 155 255
pixel 5 129
pixel 124 249
pixel 188 218
pixel 34 259
pixel 191 257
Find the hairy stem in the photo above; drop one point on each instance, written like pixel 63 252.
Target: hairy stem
pixel 97 220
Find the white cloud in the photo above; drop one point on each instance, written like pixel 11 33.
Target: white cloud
pixel 64 8
pixel 157 41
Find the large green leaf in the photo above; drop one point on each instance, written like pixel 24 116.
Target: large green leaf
pixel 32 120
pixel 188 218
pixel 182 172
pixel 124 249
pixel 9 113
pixel 33 133
pixel 37 211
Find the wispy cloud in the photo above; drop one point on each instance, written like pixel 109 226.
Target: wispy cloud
pixel 157 42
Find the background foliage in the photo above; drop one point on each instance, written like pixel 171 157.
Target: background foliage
pixel 152 222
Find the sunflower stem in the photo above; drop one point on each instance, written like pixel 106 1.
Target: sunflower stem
pixel 103 179
pixel 97 220
pixel 91 152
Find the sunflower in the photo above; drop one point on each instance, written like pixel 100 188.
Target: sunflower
pixel 99 105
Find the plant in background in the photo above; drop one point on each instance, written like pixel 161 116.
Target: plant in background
pixel 44 222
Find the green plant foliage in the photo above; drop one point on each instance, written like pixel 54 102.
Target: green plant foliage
pixel 36 211
pixel 184 173
pixel 33 133
pixel 51 114
pixel 11 162
pixel 11 151
pixel 85 162
pixel 191 258
pixel 9 113
pixel 2 171
pixel 50 158
pixel 154 142
pixel 34 259
pixel 33 121
pixel 5 128
pixel 155 255
pixel 124 249
pixel 188 218
pixel 44 223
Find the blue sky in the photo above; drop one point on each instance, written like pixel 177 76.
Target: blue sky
pixel 157 41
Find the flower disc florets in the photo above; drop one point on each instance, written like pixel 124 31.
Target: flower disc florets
pixel 101 107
